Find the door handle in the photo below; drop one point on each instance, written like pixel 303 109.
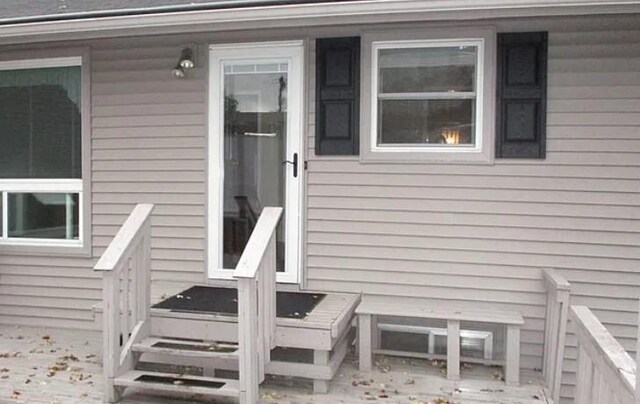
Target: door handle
pixel 294 163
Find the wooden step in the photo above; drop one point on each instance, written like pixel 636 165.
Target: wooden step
pixel 169 382
pixel 186 348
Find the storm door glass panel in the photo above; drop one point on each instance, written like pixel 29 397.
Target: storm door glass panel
pixel 255 130
pixel 43 216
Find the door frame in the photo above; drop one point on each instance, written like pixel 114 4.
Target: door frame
pixel 293 52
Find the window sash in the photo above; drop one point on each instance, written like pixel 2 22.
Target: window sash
pixel 427 96
pixel 57 186
pixel 380 96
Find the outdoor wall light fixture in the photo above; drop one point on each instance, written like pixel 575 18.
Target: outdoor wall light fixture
pixel 184 63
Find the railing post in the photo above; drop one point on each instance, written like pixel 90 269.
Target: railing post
pixel 125 267
pixel 247 340
pixel 563 301
pixel 111 333
pixel 637 390
pixel 558 294
pixel 256 275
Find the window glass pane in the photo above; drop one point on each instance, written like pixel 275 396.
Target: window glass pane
pixel 422 70
pixel 44 215
pixel 426 122
pixel 40 126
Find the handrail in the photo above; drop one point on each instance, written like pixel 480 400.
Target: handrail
pixel 606 372
pixel 125 239
pixel 256 275
pixel 257 245
pixel 558 295
pixel 126 296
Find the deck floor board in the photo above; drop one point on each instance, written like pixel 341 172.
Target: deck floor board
pixel 80 381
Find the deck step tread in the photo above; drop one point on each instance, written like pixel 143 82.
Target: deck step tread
pixel 179 383
pixel 170 346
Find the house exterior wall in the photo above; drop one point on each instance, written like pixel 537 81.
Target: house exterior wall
pixel 425 233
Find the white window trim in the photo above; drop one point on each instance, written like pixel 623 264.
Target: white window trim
pixel 80 186
pixel 484 38
pixel 42 63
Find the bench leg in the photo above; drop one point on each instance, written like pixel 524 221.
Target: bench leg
pixel 364 329
pixel 488 347
pixel 376 334
pixel 453 349
pixel 320 358
pixel 512 371
pixel 432 343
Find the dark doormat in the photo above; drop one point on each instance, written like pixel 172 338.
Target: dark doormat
pixel 211 299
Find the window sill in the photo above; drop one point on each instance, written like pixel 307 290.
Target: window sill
pixel 449 156
pixel 20 247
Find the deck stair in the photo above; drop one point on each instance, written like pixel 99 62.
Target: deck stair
pixel 180 383
pixel 127 320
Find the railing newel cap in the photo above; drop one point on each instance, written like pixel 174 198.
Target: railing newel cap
pixel 555 279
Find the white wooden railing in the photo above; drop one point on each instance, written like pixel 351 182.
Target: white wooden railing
pixel 606 372
pixel 256 275
pixel 126 271
pixel 558 293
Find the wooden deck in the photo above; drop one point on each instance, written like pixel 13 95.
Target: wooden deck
pixel 63 366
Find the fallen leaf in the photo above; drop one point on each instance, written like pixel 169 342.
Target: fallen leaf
pixel 69 358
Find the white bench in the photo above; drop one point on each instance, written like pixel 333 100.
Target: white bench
pixel 368 311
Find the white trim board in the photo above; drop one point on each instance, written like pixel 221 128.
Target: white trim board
pixel 40 63
pixel 297 15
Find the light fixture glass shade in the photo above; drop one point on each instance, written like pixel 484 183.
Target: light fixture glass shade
pixel 178 71
pixel 186 64
pixel 186 59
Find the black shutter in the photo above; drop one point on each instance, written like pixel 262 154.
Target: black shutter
pixel 337 95
pixel 522 94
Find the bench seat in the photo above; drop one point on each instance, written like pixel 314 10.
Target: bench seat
pixel 368 311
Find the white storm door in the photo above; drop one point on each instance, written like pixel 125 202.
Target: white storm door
pixel 255 150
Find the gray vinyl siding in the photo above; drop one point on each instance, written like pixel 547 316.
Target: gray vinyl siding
pixel 149 146
pixel 426 233
pixel 478 235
